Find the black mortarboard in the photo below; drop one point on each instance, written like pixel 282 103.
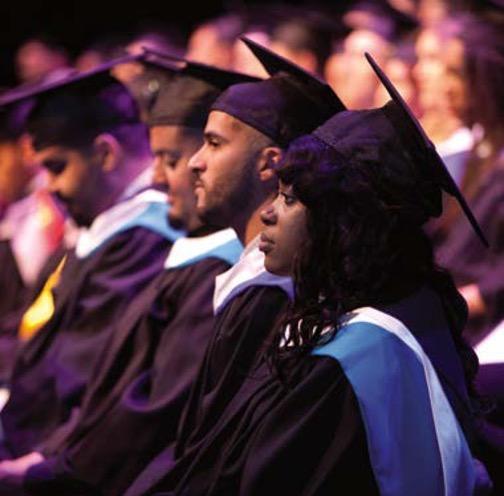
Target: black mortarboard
pixel 290 103
pixel 433 163
pixel 13 120
pixel 72 110
pixel 391 136
pixel 186 90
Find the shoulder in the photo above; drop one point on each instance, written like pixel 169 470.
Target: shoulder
pixel 375 350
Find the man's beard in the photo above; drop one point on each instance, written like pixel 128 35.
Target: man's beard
pixel 68 205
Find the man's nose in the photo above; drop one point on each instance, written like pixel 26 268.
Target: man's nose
pixel 196 162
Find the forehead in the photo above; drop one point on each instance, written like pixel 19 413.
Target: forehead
pixel 52 152
pixel 166 136
pixel 226 125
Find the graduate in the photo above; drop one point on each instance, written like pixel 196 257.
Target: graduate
pixel 365 385
pixel 135 395
pixel 28 217
pixel 247 129
pixel 86 133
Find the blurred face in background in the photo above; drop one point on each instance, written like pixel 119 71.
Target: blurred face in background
pixel 400 73
pixel 35 60
pixel 244 60
pixel 205 46
pixel 348 72
pixel 455 86
pixel 172 146
pixel 429 71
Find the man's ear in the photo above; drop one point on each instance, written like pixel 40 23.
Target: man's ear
pixel 108 151
pixel 269 159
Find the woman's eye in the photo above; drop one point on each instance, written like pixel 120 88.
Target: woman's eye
pixel 288 199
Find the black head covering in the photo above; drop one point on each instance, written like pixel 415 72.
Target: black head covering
pixel 185 90
pixel 13 120
pixel 391 136
pixel 72 110
pixel 290 103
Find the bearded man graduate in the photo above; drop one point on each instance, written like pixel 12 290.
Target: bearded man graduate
pixel 246 131
pixel 137 392
pixel 87 134
pixel 364 387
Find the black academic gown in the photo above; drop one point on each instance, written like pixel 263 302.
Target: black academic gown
pixel 13 295
pixel 303 435
pixel 133 407
pixel 52 369
pixel 18 298
pixel 242 327
pixel 12 288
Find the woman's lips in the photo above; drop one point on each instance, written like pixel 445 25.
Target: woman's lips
pixel 265 243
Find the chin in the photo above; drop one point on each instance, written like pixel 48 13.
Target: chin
pixel 272 267
pixel 176 222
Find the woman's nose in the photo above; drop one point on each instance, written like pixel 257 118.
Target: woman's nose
pixel 268 215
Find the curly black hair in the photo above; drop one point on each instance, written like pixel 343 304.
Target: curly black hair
pixel 365 247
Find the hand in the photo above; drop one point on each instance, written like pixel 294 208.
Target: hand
pixel 12 472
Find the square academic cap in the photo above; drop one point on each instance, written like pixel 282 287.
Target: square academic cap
pixel 290 103
pixel 434 163
pixel 391 135
pixel 73 109
pixel 185 90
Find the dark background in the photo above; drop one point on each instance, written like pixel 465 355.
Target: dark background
pixel 76 24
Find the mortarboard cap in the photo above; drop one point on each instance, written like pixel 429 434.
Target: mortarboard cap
pixel 391 136
pixel 290 103
pixel 185 90
pixel 13 120
pixel 74 109
pixel 433 164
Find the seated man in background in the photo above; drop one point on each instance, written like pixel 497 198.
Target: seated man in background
pixel 137 392
pixel 31 229
pixel 87 134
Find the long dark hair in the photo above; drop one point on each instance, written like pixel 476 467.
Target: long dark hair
pixel 365 247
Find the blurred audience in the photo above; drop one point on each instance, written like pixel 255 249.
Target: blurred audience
pixel 212 42
pixel 39 58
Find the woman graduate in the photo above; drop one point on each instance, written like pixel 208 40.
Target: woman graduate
pixel 365 387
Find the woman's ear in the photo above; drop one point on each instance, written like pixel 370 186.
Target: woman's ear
pixel 268 162
pixel 108 151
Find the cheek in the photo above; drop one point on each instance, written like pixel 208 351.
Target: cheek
pixel 292 234
pixel 296 235
pixel 78 182
pixel 180 180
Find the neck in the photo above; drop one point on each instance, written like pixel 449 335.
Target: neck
pixel 116 183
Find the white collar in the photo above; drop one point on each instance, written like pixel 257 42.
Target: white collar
pixel 462 140
pixel 247 272
pixel 223 244
pixel 141 182
pixel 491 348
pixel 147 209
